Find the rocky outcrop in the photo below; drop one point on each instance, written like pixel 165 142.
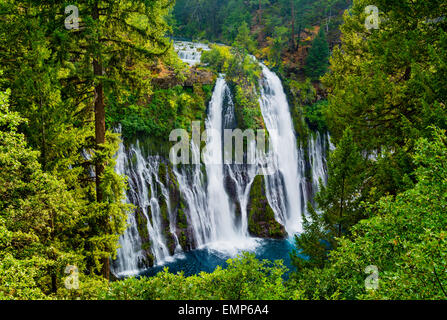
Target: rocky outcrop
pixel 261 218
pixel 148 258
pixel 199 76
pixel 194 76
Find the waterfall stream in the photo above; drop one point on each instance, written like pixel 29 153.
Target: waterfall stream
pixel 215 194
pixel 285 188
pixel 190 52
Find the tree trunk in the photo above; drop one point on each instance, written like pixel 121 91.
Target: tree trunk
pixel 299 38
pixel 293 23
pixel 43 141
pixel 100 133
pixel 341 205
pixel 260 13
pixel 53 282
pixel 100 126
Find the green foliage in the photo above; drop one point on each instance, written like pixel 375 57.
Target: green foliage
pixel 338 206
pixel 168 109
pixel 244 40
pixel 387 87
pixel 314 115
pixel 245 278
pixel 43 224
pixel 279 43
pixel 220 20
pixel 53 213
pixel 385 200
pixel 405 239
pixel 389 84
pixel 218 58
pixel 303 92
pixel 317 61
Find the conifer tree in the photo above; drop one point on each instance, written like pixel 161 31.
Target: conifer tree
pixel 64 79
pixel 317 61
pixel 244 39
pixel 116 41
pixel 338 205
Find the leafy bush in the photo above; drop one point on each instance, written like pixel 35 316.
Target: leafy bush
pixel 245 278
pixel 168 109
pixel 314 115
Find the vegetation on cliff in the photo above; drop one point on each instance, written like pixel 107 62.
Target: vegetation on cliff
pixel 242 74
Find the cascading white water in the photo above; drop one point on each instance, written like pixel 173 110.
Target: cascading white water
pixel 222 226
pixel 241 175
pixel 145 191
pixel 190 52
pixel 317 160
pixel 145 176
pixel 229 235
pixel 191 181
pixel 286 188
pixel 210 214
pixel 129 254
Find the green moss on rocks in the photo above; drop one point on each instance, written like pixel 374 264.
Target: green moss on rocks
pixel 182 228
pixel 141 223
pixel 146 243
pixel 261 218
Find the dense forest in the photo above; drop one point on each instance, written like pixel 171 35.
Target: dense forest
pixel 70 96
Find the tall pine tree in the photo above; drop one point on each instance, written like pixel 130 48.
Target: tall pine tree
pixel 338 206
pixel 317 61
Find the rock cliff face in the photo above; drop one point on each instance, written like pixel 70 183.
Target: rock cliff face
pixel 204 77
pixel 261 218
pixel 194 76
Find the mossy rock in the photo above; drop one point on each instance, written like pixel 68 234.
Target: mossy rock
pixel 162 171
pixel 261 218
pixel 146 244
pixel 183 239
pixel 147 261
pixel 141 224
pixel 170 240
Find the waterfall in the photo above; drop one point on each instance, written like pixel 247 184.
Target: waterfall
pixel 191 181
pixel 238 177
pixel 147 192
pixel 189 52
pixel 286 189
pixel 129 252
pixel 218 201
pixel 215 195
pixel 317 160
pixel 211 216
